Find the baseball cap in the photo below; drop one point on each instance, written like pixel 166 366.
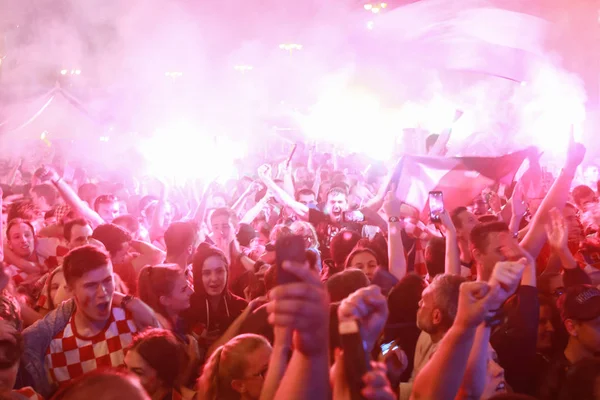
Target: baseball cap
pixel 580 302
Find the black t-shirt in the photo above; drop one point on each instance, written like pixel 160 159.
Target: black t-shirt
pixel 326 229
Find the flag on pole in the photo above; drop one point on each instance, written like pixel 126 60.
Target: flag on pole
pixel 460 179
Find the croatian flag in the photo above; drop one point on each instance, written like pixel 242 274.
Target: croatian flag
pixel 460 179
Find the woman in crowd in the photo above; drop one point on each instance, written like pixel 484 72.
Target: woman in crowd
pixel 213 307
pixel 311 241
pixel 166 289
pixel 365 260
pixel 160 361
pixel 236 370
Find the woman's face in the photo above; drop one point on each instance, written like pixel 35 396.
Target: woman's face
pixel 366 262
pixel 58 289
pixel 148 377
pixel 214 275
pixel 251 384
pixel 495 377
pixel 179 299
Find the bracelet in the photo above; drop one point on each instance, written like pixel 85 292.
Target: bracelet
pixel 394 219
pixel 495 319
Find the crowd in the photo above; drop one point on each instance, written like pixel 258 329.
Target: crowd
pixel 130 289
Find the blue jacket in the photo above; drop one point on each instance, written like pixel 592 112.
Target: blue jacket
pixel 37 339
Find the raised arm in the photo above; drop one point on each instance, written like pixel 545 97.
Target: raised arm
pixel 72 199
pixel 282 348
pixel 556 198
pixel 397 258
pixel 452 250
pixel 149 254
pixel 239 204
pixel 281 195
pixel 304 308
pixel 475 379
pixel 158 219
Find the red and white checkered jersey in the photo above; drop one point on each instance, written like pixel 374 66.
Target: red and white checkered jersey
pixel 28 393
pixel 50 253
pixel 71 355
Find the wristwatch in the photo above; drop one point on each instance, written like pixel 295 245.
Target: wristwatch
pixel 394 219
pixel 126 300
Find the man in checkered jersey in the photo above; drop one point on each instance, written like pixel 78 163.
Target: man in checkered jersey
pixel 89 334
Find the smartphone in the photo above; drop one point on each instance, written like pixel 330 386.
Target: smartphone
pixel 436 205
pixel 387 347
pixel 288 248
pixel 353 216
pixel 356 359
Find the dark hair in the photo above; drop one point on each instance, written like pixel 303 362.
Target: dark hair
pixel 179 236
pixel 480 233
pixel 222 212
pixel 580 192
pixel 18 221
pixel 156 281
pixel 47 192
pixel 204 252
pixel 304 192
pixel 164 353
pixel 455 215
pixel 82 260
pixel 343 284
pixel 342 245
pixel 435 256
pixel 103 384
pixel 358 250
pixel 11 351
pixel 104 199
pixel 112 237
pixel 403 300
pixel 129 222
pixel 24 209
pixel 69 227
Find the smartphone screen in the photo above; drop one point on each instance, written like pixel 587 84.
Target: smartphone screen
pixel 353 216
pixel 386 347
pixel 436 205
pixel 288 248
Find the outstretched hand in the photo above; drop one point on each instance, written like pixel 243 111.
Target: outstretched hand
pixel 556 229
pixel 575 153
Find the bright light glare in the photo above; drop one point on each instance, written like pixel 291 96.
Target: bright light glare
pixel 375 10
pixel 368 6
pixel 43 135
pixel 63 71
pixel 183 151
pixel 555 106
pixel 356 120
pixel 383 5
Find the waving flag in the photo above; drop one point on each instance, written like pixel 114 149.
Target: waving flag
pixel 461 179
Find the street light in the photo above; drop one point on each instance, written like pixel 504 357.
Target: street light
pixel 290 47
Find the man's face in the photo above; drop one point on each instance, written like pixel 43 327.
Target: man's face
pixel 108 211
pixel 501 246
pixel 426 310
pixel 80 235
pixel 545 334
pixel 8 377
pixel 337 203
pixel 588 201
pixel 467 222
pixel 587 333
pixel 307 199
pixel 93 293
pixel 21 240
pixel 574 227
pixel 221 227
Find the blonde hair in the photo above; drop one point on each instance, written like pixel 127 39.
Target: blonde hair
pixel 305 229
pixel 227 363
